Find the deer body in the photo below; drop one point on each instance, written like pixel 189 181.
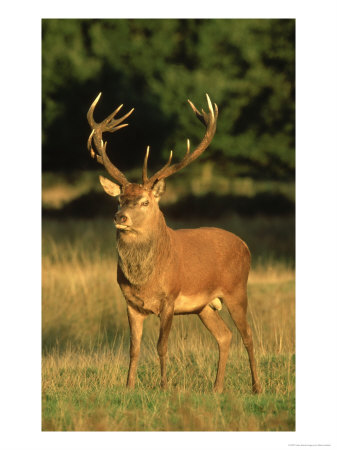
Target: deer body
pixel 166 272
pixel 218 262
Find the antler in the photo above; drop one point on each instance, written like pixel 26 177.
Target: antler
pixel 209 120
pixel 109 124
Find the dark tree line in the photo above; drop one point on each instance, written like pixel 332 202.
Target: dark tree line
pixel 246 66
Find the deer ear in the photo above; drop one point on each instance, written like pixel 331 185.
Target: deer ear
pixel 158 189
pixel 110 188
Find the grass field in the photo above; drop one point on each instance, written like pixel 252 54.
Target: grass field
pixel 85 335
pixel 85 342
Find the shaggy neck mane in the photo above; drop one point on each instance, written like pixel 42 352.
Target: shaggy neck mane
pixel 137 259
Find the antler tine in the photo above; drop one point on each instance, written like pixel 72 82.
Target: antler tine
pixel 210 106
pixel 145 179
pixel 112 115
pixel 111 125
pixel 90 113
pixel 209 120
pixel 188 147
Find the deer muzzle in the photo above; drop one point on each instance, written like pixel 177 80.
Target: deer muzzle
pixel 122 220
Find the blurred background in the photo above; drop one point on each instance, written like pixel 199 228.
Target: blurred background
pixel 246 66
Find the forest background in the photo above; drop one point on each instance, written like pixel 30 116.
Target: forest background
pixel 246 66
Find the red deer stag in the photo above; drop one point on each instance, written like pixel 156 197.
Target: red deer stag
pixel 165 272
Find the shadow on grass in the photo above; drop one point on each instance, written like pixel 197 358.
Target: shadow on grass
pixel 213 206
pixel 62 339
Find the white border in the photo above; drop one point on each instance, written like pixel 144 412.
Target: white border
pixel 316 224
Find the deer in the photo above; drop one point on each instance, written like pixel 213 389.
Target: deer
pixel 170 272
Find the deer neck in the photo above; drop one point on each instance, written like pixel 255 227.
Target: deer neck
pixel 138 258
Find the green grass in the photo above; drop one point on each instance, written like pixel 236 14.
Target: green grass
pixel 85 392
pixel 85 342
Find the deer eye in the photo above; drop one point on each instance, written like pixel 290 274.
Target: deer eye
pixel 145 203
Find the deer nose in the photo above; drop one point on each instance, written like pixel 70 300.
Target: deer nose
pixel 120 217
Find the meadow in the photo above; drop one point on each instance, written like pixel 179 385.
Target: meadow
pixel 85 333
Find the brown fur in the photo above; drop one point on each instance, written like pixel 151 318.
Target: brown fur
pixel 136 260
pixel 166 272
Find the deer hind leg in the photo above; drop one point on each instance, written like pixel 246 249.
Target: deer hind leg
pixel 237 307
pixel 136 320
pixel 217 327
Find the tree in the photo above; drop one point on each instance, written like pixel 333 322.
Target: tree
pixel 246 66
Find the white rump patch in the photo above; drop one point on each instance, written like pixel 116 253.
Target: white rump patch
pixel 216 304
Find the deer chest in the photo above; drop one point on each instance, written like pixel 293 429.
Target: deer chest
pixel 147 301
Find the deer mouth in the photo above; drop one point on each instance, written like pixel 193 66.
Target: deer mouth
pixel 121 227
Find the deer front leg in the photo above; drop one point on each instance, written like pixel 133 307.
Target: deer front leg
pixel 166 317
pixel 136 320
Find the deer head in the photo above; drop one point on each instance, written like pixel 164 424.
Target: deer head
pixel 138 203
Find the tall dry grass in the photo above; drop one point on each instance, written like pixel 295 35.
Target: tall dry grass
pixel 85 348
